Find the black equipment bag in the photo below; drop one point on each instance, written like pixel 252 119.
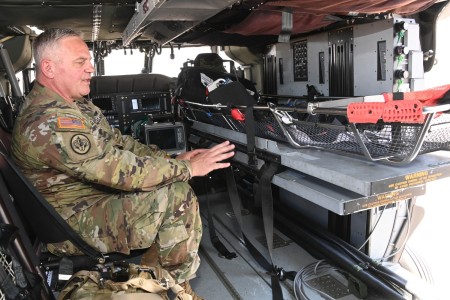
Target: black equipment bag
pixel 233 93
pixel 230 92
pixel 191 88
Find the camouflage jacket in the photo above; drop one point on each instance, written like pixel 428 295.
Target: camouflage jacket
pixel 74 158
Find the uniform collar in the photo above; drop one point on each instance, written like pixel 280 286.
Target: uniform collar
pixel 45 94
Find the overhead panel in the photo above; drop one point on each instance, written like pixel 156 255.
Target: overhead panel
pixel 164 20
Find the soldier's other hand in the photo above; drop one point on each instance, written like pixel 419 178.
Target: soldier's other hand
pixel 212 159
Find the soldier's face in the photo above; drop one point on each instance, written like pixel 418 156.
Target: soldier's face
pixel 73 68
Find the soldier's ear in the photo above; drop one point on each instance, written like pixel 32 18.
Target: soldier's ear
pixel 48 68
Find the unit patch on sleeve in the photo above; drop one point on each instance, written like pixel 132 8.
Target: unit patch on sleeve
pixel 70 123
pixel 80 144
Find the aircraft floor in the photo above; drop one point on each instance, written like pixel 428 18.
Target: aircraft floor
pixel 242 277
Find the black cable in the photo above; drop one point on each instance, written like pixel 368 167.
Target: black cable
pixel 359 256
pixel 158 50
pixel 339 257
pixel 373 229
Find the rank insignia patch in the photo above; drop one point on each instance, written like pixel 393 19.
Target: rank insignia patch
pixel 80 144
pixel 70 123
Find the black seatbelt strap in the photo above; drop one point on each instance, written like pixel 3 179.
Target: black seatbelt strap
pixel 265 191
pixel 250 131
pixel 220 247
pixel 65 270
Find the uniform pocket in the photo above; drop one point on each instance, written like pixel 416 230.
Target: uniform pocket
pixel 173 242
pixel 173 234
pixel 143 232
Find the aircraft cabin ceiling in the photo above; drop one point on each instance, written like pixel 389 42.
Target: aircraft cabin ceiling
pixel 208 22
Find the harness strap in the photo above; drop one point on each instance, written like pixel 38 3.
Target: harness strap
pixel 146 284
pixel 264 193
pixel 144 281
pixel 130 296
pixel 220 247
pixel 250 131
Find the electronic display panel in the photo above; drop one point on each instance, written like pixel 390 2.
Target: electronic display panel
pixel 167 136
pixel 104 103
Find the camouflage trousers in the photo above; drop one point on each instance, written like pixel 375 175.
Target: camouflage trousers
pixel 168 217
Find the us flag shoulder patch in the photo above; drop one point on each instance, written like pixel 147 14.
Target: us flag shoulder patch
pixel 70 123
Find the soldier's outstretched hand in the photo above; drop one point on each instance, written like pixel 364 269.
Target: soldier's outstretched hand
pixel 207 160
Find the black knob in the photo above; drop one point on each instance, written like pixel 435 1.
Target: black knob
pixel 401 74
pixel 399 50
pixel 400 26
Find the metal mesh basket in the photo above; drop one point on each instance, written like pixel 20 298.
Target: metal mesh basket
pixel 269 128
pixel 393 142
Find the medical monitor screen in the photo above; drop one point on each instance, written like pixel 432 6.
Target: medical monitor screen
pixel 163 138
pixel 167 136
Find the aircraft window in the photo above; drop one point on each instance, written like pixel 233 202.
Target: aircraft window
pixel 119 63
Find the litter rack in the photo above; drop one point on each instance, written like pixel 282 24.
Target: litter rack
pixel 339 183
pixel 390 132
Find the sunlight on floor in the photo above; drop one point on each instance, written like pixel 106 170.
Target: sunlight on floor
pixel 431 238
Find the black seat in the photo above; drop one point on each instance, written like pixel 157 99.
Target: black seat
pixel 47 225
pixel 44 221
pixel 210 60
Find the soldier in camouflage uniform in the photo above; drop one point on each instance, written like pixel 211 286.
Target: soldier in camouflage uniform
pixel 117 193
